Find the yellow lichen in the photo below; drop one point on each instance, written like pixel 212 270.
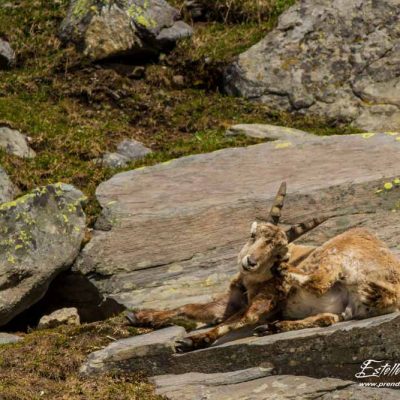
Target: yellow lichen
pixel 368 135
pixel 283 145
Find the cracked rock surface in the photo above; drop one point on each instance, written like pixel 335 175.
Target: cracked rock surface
pixel 170 234
pixel 333 59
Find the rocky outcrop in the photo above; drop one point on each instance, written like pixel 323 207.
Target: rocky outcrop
pixel 7 189
pixel 104 29
pixel 65 316
pixel 13 142
pixel 336 60
pixel 7 54
pixel 263 367
pixel 170 234
pixel 40 236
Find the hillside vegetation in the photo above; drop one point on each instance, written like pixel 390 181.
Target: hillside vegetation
pixel 74 111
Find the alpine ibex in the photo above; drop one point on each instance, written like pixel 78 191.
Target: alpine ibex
pixel 254 294
pixel 353 275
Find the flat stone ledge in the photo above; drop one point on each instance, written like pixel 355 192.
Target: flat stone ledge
pixel 336 351
pixel 268 132
pixel 157 344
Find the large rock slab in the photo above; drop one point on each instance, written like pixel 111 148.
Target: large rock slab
pixel 244 386
pixel 338 351
pixel 40 236
pixel 104 29
pixel 170 234
pixel 332 59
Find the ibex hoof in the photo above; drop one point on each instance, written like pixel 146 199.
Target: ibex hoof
pixel 183 345
pixel 131 317
pixel 263 330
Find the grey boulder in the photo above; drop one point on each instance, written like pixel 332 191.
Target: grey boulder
pixel 13 142
pixel 103 29
pixel 8 338
pixel 7 55
pixel 331 59
pixel 40 236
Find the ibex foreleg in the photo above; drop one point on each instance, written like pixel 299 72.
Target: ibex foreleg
pixel 262 307
pixel 210 313
pixel 319 320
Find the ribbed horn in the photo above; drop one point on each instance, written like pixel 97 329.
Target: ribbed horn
pixel 275 213
pixel 298 230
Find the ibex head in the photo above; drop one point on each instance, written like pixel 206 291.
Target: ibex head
pixel 269 242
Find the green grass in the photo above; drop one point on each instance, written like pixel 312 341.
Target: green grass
pixel 45 365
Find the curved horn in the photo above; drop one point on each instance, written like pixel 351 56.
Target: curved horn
pixel 275 213
pixel 298 230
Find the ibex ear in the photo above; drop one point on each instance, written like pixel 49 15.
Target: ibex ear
pixel 275 213
pixel 300 229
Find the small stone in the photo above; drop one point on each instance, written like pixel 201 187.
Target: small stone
pixel 169 36
pixel 138 72
pixel 268 132
pixel 13 142
pixel 7 55
pixel 132 149
pixel 114 160
pixel 178 81
pixel 65 316
pixel 7 338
